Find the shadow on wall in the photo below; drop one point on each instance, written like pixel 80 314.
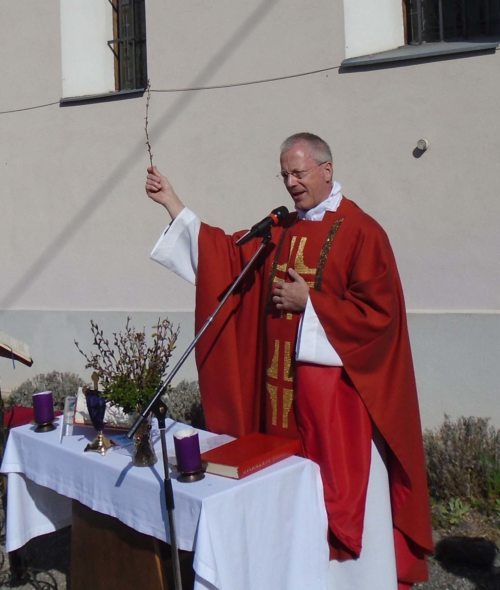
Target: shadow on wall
pixel 89 209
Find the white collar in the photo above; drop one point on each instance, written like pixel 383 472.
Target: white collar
pixel 331 203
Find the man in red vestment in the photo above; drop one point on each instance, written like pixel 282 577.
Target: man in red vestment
pixel 315 344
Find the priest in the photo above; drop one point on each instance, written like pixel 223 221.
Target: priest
pixel 314 345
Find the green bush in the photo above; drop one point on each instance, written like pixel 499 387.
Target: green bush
pixel 463 466
pixel 61 385
pixel 184 404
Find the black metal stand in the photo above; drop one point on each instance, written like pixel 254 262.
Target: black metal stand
pixel 160 412
pixel 154 405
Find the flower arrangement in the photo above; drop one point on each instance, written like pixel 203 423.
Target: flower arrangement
pixel 128 367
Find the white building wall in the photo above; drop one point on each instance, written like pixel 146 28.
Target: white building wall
pixel 229 83
pixel 87 60
pixel 371 27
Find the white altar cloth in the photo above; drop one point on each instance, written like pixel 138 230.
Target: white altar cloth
pixel 267 531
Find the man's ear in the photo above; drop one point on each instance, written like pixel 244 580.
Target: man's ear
pixel 328 171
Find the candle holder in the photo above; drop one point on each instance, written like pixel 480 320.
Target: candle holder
pixel 43 411
pixel 96 405
pixel 188 456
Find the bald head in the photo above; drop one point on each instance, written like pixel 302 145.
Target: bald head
pixel 319 150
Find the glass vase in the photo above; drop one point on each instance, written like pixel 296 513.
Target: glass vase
pixel 143 454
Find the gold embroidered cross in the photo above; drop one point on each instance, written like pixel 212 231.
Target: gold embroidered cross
pixel 276 386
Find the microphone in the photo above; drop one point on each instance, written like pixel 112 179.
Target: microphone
pixel 260 229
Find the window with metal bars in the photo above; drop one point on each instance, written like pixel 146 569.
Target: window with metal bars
pixel 451 20
pixel 129 44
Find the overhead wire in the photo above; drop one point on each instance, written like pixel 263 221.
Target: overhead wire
pixel 200 88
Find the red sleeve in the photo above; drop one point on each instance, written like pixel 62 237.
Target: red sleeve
pixel 227 355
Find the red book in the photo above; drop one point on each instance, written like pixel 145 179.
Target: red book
pixel 248 454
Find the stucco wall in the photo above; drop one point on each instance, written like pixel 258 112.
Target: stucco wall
pixel 76 228
pixel 455 355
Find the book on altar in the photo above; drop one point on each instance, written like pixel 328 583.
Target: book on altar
pixel 248 454
pixel 15 349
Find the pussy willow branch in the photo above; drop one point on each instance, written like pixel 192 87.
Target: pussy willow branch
pixel 148 143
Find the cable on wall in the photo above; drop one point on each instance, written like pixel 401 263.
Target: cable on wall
pixel 201 88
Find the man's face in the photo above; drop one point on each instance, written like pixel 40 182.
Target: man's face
pixel 312 183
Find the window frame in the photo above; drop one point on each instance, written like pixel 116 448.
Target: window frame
pixel 468 21
pixel 130 66
pixel 127 72
pixel 424 50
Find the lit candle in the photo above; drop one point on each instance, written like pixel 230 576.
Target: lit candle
pixel 43 407
pixel 187 450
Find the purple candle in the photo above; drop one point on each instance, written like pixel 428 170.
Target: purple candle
pixel 187 451
pixel 43 407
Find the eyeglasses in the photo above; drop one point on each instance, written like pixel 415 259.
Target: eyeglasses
pixel 298 174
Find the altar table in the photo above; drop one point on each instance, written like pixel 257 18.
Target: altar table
pixel 266 531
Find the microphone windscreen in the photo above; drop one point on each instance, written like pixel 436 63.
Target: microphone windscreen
pixel 279 214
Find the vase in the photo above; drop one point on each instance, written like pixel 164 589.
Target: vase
pixel 143 454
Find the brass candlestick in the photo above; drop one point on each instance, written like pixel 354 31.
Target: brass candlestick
pixel 100 444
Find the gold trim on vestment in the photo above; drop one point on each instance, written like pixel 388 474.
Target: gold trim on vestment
pixel 272 391
pixel 272 370
pixel 287 406
pixel 325 250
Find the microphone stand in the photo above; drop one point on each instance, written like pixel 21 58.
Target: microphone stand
pixel 156 406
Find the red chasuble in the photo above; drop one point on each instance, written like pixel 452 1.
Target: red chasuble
pixel 250 381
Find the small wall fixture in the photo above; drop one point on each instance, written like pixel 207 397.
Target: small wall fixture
pixel 423 144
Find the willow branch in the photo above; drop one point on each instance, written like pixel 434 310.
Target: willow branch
pixel 148 143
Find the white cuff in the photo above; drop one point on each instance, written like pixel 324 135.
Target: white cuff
pixel 177 247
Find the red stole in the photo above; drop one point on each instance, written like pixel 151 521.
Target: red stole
pixel 299 248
